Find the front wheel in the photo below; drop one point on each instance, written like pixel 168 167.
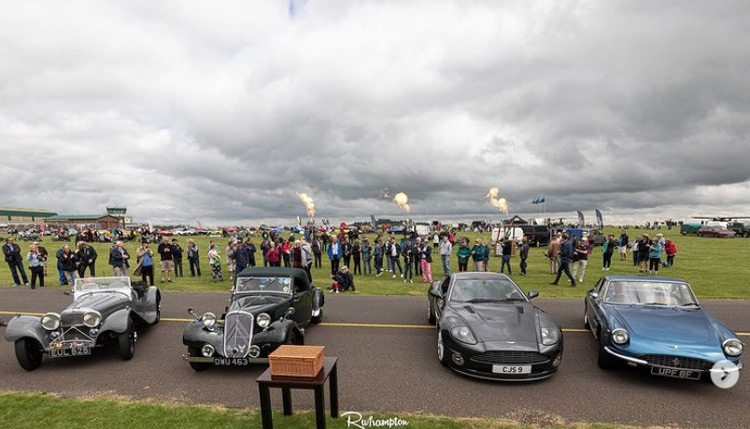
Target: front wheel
pixel 441 352
pixel 319 318
pixel 430 313
pixel 126 342
pixel 29 353
pixel 606 360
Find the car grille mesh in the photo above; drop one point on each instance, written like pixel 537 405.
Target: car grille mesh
pixel 677 362
pixel 510 357
pixel 71 319
pixel 238 333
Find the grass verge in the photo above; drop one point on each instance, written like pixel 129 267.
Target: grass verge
pixel 37 410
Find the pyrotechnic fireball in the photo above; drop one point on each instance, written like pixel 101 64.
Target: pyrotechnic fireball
pixel 402 201
pixel 308 202
pixel 500 203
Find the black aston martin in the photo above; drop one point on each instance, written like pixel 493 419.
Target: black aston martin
pixel 487 328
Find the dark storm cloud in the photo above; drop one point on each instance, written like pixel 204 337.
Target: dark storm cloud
pixel 182 111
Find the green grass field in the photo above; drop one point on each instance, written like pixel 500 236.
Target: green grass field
pixel 716 268
pixel 35 410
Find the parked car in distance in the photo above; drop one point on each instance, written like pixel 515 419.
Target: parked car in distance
pixel 487 328
pixel 269 306
pixel 657 323
pixel 740 228
pixel 690 228
pixel 712 231
pixel 105 311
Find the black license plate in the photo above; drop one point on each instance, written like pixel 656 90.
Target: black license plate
pixel 70 351
pixel 663 371
pixel 231 361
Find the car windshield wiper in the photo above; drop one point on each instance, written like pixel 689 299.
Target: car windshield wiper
pixel 478 300
pixel 690 304
pixel 654 303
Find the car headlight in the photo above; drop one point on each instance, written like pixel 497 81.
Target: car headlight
pixel 463 334
pixel 51 321
pixel 92 319
pixel 620 336
pixel 733 347
pixel 263 320
pixel 208 319
pixel 548 331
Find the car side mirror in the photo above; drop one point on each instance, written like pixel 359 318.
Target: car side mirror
pixel 290 311
pixel 532 294
pixel 191 312
pixel 436 293
pixel 593 294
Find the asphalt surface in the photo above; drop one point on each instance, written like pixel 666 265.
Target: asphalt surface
pixel 387 369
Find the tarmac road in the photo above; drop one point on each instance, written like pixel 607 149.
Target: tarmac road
pixel 387 369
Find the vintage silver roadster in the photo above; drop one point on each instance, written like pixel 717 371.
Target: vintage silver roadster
pixel 105 311
pixel 268 307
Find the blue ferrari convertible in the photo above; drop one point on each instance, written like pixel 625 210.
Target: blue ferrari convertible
pixel 657 323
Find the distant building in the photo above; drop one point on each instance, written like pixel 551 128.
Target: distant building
pixel 23 217
pixel 80 222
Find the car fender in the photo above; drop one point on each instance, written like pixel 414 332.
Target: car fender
pixel 278 331
pixel 26 326
pixel 196 335
pixel 148 310
pixel 116 322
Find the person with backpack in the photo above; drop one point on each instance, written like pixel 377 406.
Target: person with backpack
pixel 367 256
pixel 671 249
pixel 566 257
pixel 377 253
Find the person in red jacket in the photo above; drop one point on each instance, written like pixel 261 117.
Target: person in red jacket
pixel 671 250
pixel 273 255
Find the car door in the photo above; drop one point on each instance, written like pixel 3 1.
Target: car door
pixel 302 303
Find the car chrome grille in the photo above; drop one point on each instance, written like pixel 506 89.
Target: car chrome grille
pixel 511 357
pixel 677 362
pixel 238 334
pixel 74 334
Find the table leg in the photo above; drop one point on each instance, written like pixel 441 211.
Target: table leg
pixel 333 385
pixel 286 398
pixel 320 408
pixel 265 407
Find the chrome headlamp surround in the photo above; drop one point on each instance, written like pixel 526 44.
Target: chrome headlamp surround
pixel 208 319
pixel 92 319
pixel 732 347
pixel 51 321
pixel 207 350
pixel 263 320
pixel 463 334
pixel 549 332
pixel 620 336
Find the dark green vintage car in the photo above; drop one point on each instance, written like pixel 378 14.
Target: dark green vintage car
pixel 269 306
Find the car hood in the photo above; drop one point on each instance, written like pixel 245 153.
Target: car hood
pixel 687 326
pixel 492 322
pixel 105 303
pixel 257 304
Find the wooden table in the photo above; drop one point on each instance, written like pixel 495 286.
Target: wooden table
pixel 266 382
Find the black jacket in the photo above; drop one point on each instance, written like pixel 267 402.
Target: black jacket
pixel 12 253
pixel 69 261
pixel 85 254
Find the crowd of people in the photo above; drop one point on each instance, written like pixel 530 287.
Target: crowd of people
pixel 646 254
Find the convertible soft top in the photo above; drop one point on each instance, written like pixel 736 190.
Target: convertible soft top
pixel 299 275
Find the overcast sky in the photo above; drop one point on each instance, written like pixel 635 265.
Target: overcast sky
pixel 222 111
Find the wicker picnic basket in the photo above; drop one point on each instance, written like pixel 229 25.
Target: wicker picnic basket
pixel 296 361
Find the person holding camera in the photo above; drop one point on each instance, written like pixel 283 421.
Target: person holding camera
pixel 145 257
pixel 13 257
pixel 36 265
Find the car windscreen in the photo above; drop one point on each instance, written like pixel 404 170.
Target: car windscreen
pixel 263 284
pixel 478 290
pixel 102 284
pixel 650 293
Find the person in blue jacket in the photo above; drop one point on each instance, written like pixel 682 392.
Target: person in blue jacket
pixel 334 254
